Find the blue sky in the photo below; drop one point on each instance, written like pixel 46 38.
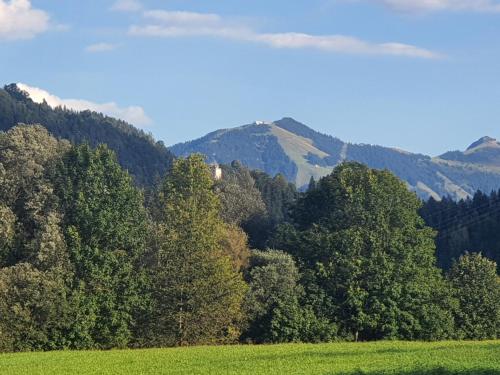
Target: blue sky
pixel 422 75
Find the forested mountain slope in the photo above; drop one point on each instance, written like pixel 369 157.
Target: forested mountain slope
pixel 298 152
pixel 137 151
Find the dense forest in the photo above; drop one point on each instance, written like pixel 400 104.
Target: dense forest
pixel 90 260
pixel 137 152
pixel 467 225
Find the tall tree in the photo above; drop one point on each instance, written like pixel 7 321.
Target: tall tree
pixel 198 294
pixel 105 229
pixel 359 230
pixel 27 153
pixel 35 301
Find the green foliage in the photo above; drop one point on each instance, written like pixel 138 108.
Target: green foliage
pixel 106 229
pixel 197 292
pixel 235 246
pixel 34 309
pixel 466 225
pixel 278 196
pixel 35 303
pixel 360 233
pixel 137 151
pixel 7 232
pixel 476 286
pixel 240 199
pixel 83 264
pixel 26 156
pixel 273 302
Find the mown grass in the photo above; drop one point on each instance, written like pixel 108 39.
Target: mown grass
pixel 380 358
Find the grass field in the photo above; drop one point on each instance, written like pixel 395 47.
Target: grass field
pixel 471 358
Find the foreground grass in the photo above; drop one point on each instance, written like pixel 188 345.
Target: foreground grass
pixel 446 358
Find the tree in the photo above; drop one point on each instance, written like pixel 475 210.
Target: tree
pixel 136 150
pixel 35 299
pixel 197 292
pixel 476 286
pixel 359 232
pixel 7 232
pixel 27 153
pixel 235 246
pixel 278 196
pixel 466 225
pixel 240 199
pixel 35 309
pixel 274 302
pixel 105 228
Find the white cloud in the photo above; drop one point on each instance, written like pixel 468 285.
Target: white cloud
pixel 18 20
pixel 171 24
pixel 182 18
pixel 487 6
pixel 343 44
pixel 133 114
pixel 100 47
pixel 126 6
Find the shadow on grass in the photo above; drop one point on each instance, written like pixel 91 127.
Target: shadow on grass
pixel 435 371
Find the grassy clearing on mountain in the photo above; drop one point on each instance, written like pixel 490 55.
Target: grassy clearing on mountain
pixel 378 358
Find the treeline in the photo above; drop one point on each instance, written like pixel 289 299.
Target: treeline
pixel 137 151
pixel 87 260
pixel 472 224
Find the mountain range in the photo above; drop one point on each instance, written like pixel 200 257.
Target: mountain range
pixel 286 146
pixel 298 152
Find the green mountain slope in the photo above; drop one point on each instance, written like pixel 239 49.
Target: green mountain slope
pixel 298 152
pixel 137 151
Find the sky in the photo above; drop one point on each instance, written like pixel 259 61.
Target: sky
pixel 421 75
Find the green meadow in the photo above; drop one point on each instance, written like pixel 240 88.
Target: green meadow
pixel 471 358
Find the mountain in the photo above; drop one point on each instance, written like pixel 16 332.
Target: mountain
pixel 485 151
pixel 137 151
pixel 298 152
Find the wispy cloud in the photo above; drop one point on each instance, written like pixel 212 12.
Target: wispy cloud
pixel 485 6
pixel 126 6
pixel 343 44
pixel 174 24
pixel 19 20
pixel 101 47
pixel 133 114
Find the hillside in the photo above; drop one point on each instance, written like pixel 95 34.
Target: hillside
pixel 298 152
pixel 137 151
pixel 485 151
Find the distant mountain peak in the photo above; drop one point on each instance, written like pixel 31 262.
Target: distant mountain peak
pixel 483 142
